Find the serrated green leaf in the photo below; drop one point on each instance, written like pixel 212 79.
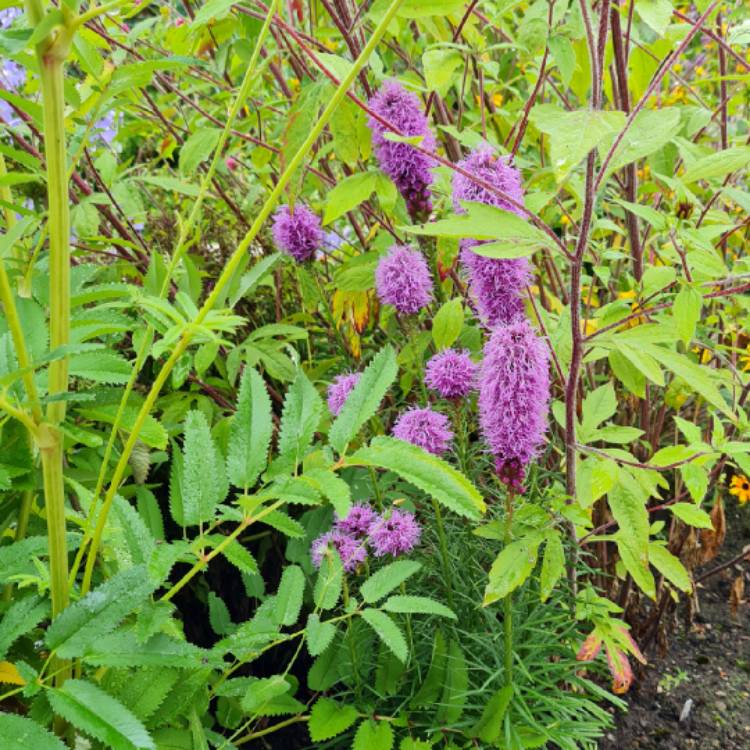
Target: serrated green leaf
pixel 417 604
pixel 335 489
pixel 299 419
pixel 329 718
pixel 373 735
pixel 22 616
pixel 21 733
pixel 490 724
pixel 692 515
pixel 101 367
pixel 388 632
pixel 447 323
pixel 262 691
pixel 318 634
pixel 387 579
pixel 670 567
pixel 329 582
pixel 289 595
pixel 511 568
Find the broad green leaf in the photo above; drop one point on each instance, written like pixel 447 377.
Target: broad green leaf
pixel 429 473
pixel 329 582
pixel 388 632
pixel 628 505
pixel 97 714
pixel 511 568
pixel 172 185
pixel 692 515
pixel 365 398
pixel 299 419
pixel 204 482
pixel 634 565
pixel 490 724
pixel 656 219
pixel 101 367
pixel 263 690
pixel 289 595
pixel 553 565
pixel 373 735
pixel 21 733
pixel 99 612
pixel 424 8
pixel 598 406
pixel 348 194
pixel 318 634
pixel 655 13
pixel 719 164
pixel 439 65
pixel 670 567
pixel 418 605
pixel 21 617
pixel 212 11
pixel 329 718
pixel 687 312
pixel 387 579
pixel 447 323
pixel 123 649
pixel 197 149
pixel 696 480
pixel 332 487
pixel 456 685
pixel 250 431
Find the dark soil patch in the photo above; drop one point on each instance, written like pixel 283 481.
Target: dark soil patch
pixel 708 665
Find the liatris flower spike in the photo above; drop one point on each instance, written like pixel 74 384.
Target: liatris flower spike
pixel 351 550
pixel 514 397
pixel 496 285
pixel 394 533
pixel 407 167
pixel 297 232
pixel 451 374
pixel 339 391
pixel 425 428
pixel 357 521
pixel 402 279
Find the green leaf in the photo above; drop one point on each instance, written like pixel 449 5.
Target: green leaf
pixel 172 185
pixel 212 11
pixel 22 616
pixel 490 724
pixel 388 632
pixel 455 690
pixel 333 487
pixel 348 194
pixel 718 164
pixel 687 312
pixel 387 579
pixel 553 565
pixel 439 66
pixel 20 733
pixel 97 714
pixel 655 13
pixel 670 567
pixel 318 634
pixel 262 691
pixel 329 718
pixel 250 431
pixel 429 473
pixel 250 280
pixel 289 595
pixel 364 399
pixel 598 406
pixel 99 612
pixel 373 735
pixel 424 8
pixel 299 419
pixel 628 505
pixel 329 582
pixel 197 149
pixel 204 482
pixel 511 568
pixel 418 605
pixel 283 523
pixel 101 367
pixel 447 323
pixel 692 515
pixel 429 690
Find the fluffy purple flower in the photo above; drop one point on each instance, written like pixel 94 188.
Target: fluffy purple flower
pixel 352 551
pixel 357 520
pixel 394 533
pixel 451 373
pixel 407 167
pixel 426 428
pixel 298 232
pixel 7 17
pixel 514 397
pixel 339 391
pixel 402 279
pixel 496 285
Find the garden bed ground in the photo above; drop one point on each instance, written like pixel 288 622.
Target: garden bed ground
pixel 709 665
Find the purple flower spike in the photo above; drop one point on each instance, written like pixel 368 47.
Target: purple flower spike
pixel 357 520
pixel 451 373
pixel 407 167
pixel 298 232
pixel 402 279
pixel 339 391
pixel 394 533
pixel 425 428
pixel 514 397
pixel 496 285
pixel 352 551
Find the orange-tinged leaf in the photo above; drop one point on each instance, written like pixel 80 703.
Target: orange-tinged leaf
pixel 634 649
pixel 590 647
pixel 619 667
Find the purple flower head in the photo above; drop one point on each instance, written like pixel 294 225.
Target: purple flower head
pixel 426 428
pixel 407 167
pixel 298 232
pixel 394 533
pixel 451 373
pixel 496 285
pixel 352 551
pixel 514 397
pixel 339 391
pixel 107 126
pixel 402 279
pixel 7 17
pixel 357 520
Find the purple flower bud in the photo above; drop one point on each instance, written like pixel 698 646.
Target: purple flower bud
pixel 394 533
pixel 407 167
pixel 231 163
pixel 297 233
pixel 339 391
pixel 496 285
pixel 425 428
pixel 352 551
pixel 514 397
pixel 357 520
pixel 402 279
pixel 451 373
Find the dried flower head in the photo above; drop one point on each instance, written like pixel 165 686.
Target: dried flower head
pixel 394 533
pixel 514 397
pixel 451 373
pixel 339 390
pixel 407 167
pixel 402 279
pixel 297 232
pixel 351 550
pixel 426 428
pixel 357 521
pixel 496 285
